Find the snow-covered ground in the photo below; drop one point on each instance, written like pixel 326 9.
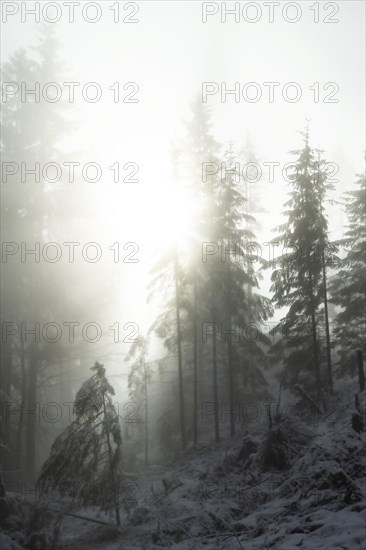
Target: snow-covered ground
pixel 212 498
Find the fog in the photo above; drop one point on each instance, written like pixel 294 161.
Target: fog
pixel 141 143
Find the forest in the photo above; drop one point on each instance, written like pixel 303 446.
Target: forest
pixel 182 364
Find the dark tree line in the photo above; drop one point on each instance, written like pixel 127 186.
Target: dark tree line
pixel 313 278
pixel 34 212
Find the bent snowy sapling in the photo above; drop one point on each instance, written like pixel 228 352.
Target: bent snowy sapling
pixel 85 459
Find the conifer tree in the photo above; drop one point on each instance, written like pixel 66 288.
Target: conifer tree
pixel 88 453
pixel 31 132
pixel 297 281
pixel 348 286
pixel 180 274
pixel 139 376
pixel 243 306
pixel 202 149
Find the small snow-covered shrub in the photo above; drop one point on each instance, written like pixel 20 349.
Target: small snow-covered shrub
pixel 281 443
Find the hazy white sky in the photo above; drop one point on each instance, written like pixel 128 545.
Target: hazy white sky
pixel 170 52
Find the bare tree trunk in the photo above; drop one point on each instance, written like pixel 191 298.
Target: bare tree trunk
pixel 314 335
pixel 18 446
pixel 229 346
pixel 5 452
pixel 214 366
pixel 146 419
pixel 180 365
pixel 114 481
pixel 195 361
pixel 361 373
pixel 215 390
pixel 31 406
pixel 231 386
pixel 229 313
pixel 327 332
pixel 5 368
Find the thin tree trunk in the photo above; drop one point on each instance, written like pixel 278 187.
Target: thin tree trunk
pixel 231 386
pixel 215 390
pixel 180 366
pixel 361 373
pixel 5 368
pixel 110 455
pixel 146 417
pixel 314 335
pixel 327 332
pixel 31 406
pixel 214 366
pixel 18 447
pixel 5 453
pixel 229 346
pixel 229 342
pixel 195 372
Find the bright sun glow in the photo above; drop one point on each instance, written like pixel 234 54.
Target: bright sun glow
pixel 159 216
pixel 169 214
pixel 156 218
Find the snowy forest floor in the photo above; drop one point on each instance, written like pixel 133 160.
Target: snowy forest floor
pixel 221 497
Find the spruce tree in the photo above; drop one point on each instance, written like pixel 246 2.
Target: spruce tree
pixel 203 277
pixel 298 278
pixel 243 307
pixel 139 377
pixel 88 453
pixel 31 132
pixel 180 275
pixel 348 286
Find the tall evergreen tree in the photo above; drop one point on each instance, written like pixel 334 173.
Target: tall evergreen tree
pixel 34 212
pixel 348 286
pixel 138 379
pixel 297 281
pixel 29 136
pixel 202 305
pixel 181 271
pixel 243 306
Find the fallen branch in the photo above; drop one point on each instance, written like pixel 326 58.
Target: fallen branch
pixel 306 396
pixel 101 522
pixel 168 491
